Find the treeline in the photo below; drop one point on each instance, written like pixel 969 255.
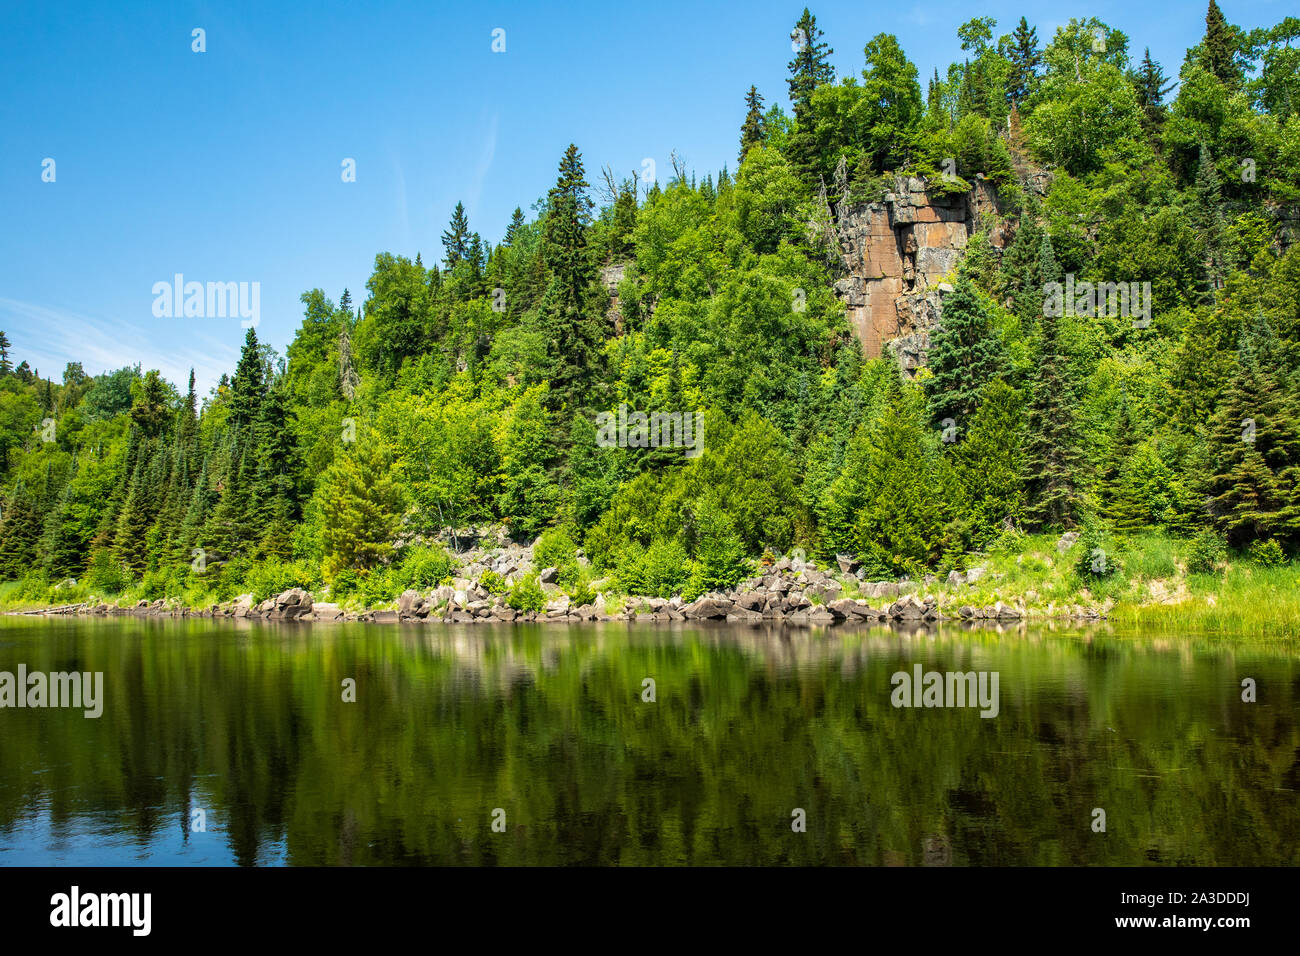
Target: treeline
pixel 465 392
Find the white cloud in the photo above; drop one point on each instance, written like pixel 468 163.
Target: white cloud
pixel 48 338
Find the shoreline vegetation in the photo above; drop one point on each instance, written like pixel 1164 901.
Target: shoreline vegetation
pixel 1019 342
pixel 1038 581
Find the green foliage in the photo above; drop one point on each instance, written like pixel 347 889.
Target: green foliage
pixel 1208 551
pixel 1268 554
pixel 527 595
pixel 425 566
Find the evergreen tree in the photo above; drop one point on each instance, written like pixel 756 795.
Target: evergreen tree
pixel 1151 86
pixel 1119 499
pixel 965 354
pixel 1025 60
pixel 6 364
pixel 1054 457
pixel 571 327
pixel 516 223
pixel 810 68
pixel 1220 46
pixel 19 533
pixel 455 241
pixel 1253 481
pixel 1207 218
pixel 361 508
pixel 754 130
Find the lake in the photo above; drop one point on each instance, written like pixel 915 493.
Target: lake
pixel 226 742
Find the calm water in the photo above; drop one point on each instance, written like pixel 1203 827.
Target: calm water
pixel 247 723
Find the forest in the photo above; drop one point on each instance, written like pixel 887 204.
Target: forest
pixel 465 393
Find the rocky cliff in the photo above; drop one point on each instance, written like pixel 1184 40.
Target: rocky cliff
pixel 897 254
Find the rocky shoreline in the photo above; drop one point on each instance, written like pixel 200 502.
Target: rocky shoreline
pixel 791 592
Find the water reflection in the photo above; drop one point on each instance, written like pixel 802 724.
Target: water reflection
pixel 246 722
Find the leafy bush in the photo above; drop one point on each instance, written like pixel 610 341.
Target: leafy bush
pixel 1267 554
pixel 274 577
pixel 527 595
pixel 582 594
pixel 1208 551
pixel 106 574
pixel 494 582
pixel 380 586
pixel 425 566
pixel 1097 559
pixel 345 584
pixel 553 549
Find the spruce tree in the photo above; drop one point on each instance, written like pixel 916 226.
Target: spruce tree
pixel 1220 45
pixel 754 130
pixel 571 327
pixel 455 241
pixel 1120 503
pixel 810 68
pixel 1025 59
pixel 1053 454
pixel 1151 86
pixel 516 223
pixel 1253 448
pixel 1207 218
pixel 965 354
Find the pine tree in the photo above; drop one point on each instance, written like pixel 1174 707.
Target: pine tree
pixel 516 223
pixel 1254 448
pixel 1207 218
pixel 361 509
pixel 1120 504
pixel 754 130
pixel 455 241
pixel 569 323
pixel 811 66
pixel 1054 456
pixel 964 355
pixel 1220 45
pixel 6 364
pixel 1151 86
pixel 1025 59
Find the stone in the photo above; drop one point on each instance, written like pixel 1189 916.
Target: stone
pixel 549 576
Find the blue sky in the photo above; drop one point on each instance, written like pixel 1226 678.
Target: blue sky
pixel 224 166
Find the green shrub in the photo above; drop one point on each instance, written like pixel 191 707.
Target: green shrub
pixel 582 594
pixel 425 566
pixel 379 586
pixel 1097 558
pixel 1208 551
pixel 527 595
pixel 345 584
pixel 275 577
pixel 494 582
pixel 1267 554
pixel 553 549
pixel 106 574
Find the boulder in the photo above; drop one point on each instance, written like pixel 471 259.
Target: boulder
pixel 706 609
pixel 410 603
pixel 549 576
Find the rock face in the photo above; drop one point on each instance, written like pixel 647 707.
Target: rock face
pixel 897 254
